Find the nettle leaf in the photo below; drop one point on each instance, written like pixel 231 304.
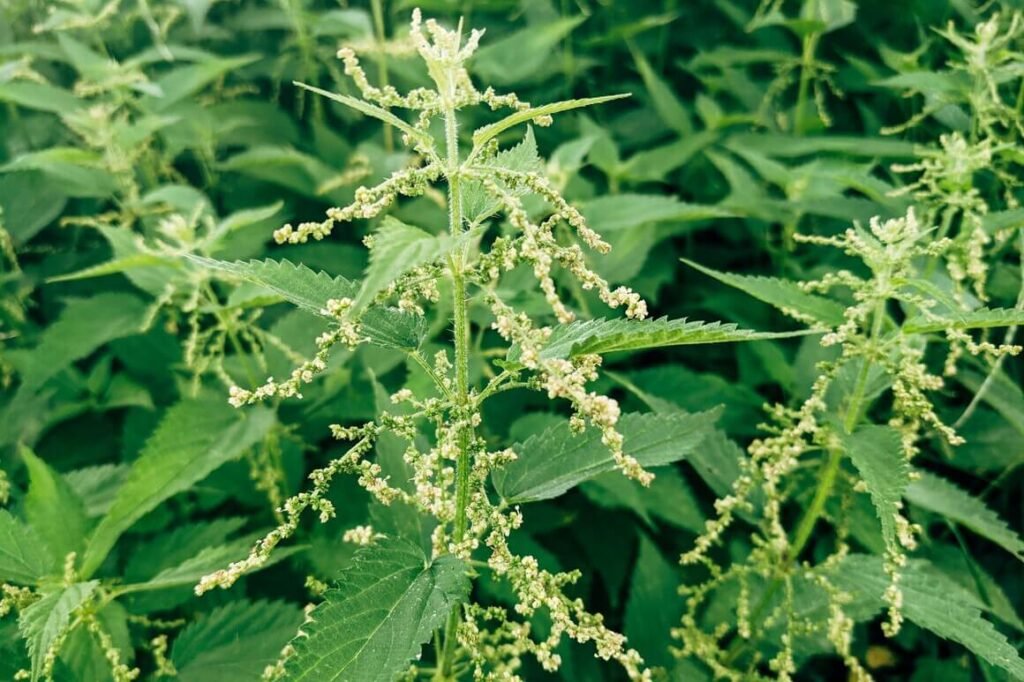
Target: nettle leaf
pixel 96 486
pixel 942 497
pixel 877 453
pixel 52 507
pixel 310 290
pixel 40 96
pixel 184 81
pixel 985 318
pixel 998 221
pixel 234 642
pixel 399 248
pixel 655 605
pixel 373 110
pixel 933 602
pixel 616 212
pixel 24 558
pixel 114 266
pixel 386 605
pixel 780 293
pixel 482 135
pixel 78 172
pixel 477 203
pixel 607 336
pixel 43 623
pixel 29 204
pixel 670 110
pixel 668 497
pixel 521 54
pixel 192 439
pixel 556 460
pixel 83 326
pixel 206 561
pixel 782 145
pixel 1003 393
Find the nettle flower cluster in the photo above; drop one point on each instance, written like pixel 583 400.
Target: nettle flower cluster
pixel 972 171
pixel 870 342
pixel 449 479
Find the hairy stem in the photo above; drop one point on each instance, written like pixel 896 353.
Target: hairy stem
pixel 462 350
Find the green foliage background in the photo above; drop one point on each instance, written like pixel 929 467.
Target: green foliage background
pixel 136 132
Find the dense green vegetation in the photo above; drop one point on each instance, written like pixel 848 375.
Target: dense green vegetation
pixel 519 339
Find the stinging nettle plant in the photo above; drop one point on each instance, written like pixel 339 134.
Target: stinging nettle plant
pixel 398 594
pixel 906 316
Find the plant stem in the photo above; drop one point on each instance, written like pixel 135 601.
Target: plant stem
pixel 462 349
pixel 810 44
pixel 382 64
pixel 857 399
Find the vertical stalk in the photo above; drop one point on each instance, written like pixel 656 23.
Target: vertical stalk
pixel 806 59
pixel 810 44
pixel 462 348
pixel 382 64
pixel 853 411
pixel 461 323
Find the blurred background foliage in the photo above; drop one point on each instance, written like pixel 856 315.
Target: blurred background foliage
pixel 133 132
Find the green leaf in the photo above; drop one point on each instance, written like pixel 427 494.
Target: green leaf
pixel 52 507
pixel 654 165
pixel 833 14
pixel 626 211
pixel 985 318
pixel 477 203
pixel 208 560
pixel 193 438
pixel 1003 393
pixel 173 547
pixel 29 204
pixel 24 557
pixel 933 602
pixel 942 497
pixel 788 146
pixel 668 497
pixel 371 110
pixel 184 81
pixel 284 166
pixel 780 293
pixel 877 453
pixel 234 642
pixel 555 460
pixel 311 290
pixel 41 96
pixel 655 605
pixel 43 623
pixel 96 486
pixel 78 172
pixel 399 248
pixel 386 605
pixel 519 55
pixel 482 135
pixel 607 336
pixel 111 267
pixel 83 326
pixel 998 221
pixel 670 110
